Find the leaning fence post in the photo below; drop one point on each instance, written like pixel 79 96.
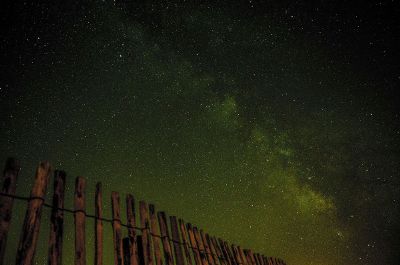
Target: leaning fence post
pixel 79 217
pixel 131 217
pixel 10 175
pixel 242 255
pixel 30 229
pixel 155 234
pixel 116 225
pixel 176 241
pixel 185 242
pixel 146 239
pixel 196 253
pixel 216 258
pixel 207 249
pixel 57 220
pixel 162 220
pixel 98 224
pixel 200 246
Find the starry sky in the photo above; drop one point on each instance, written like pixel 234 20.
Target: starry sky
pixel 271 124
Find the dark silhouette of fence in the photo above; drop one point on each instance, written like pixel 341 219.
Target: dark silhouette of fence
pixel 148 244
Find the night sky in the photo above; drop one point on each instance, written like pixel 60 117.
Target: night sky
pixel 271 124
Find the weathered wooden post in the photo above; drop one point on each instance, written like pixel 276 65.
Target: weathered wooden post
pixel 146 238
pixel 242 255
pixel 207 248
pixel 200 246
pixel 185 241
pixel 217 259
pixel 162 220
pixel 57 220
pixel 155 234
pixel 193 243
pixel 31 226
pixel 79 218
pixel 224 251
pixel 116 225
pixel 176 240
pixel 10 175
pixel 221 257
pixel 131 217
pixel 98 225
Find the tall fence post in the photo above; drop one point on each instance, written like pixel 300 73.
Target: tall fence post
pixel 155 234
pixel 57 220
pixel 131 217
pixel 207 248
pixel 10 175
pixel 192 239
pixel 200 246
pixel 176 240
pixel 98 225
pixel 31 226
pixel 185 242
pixel 162 220
pixel 116 225
pixel 79 217
pixel 242 255
pixel 146 237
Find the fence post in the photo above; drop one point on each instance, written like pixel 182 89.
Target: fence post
pixel 207 248
pixel 57 220
pixel 221 257
pixel 236 254
pixel 79 217
pixel 155 234
pixel 192 239
pixel 162 220
pixel 31 226
pixel 10 175
pixel 146 239
pixel 200 246
pixel 98 235
pixel 131 217
pixel 213 250
pixel 230 255
pixel 242 255
pixel 116 225
pixel 185 242
pixel 176 240
pixel 224 252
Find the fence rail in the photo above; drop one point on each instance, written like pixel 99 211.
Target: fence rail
pixel 148 244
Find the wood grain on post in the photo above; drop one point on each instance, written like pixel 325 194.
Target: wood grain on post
pixel 79 216
pixel 146 239
pixel 98 226
pixel 184 237
pixel 224 252
pixel 207 248
pixel 230 254
pixel 57 220
pixel 221 257
pixel 200 246
pixel 177 242
pixel 131 217
pixel 236 255
pixel 162 220
pixel 116 225
pixel 242 255
pixel 217 260
pixel 31 226
pixel 156 234
pixel 10 175
pixel 192 239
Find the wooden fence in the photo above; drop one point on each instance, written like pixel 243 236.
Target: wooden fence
pixel 154 242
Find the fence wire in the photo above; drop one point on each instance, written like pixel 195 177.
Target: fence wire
pixel 107 220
